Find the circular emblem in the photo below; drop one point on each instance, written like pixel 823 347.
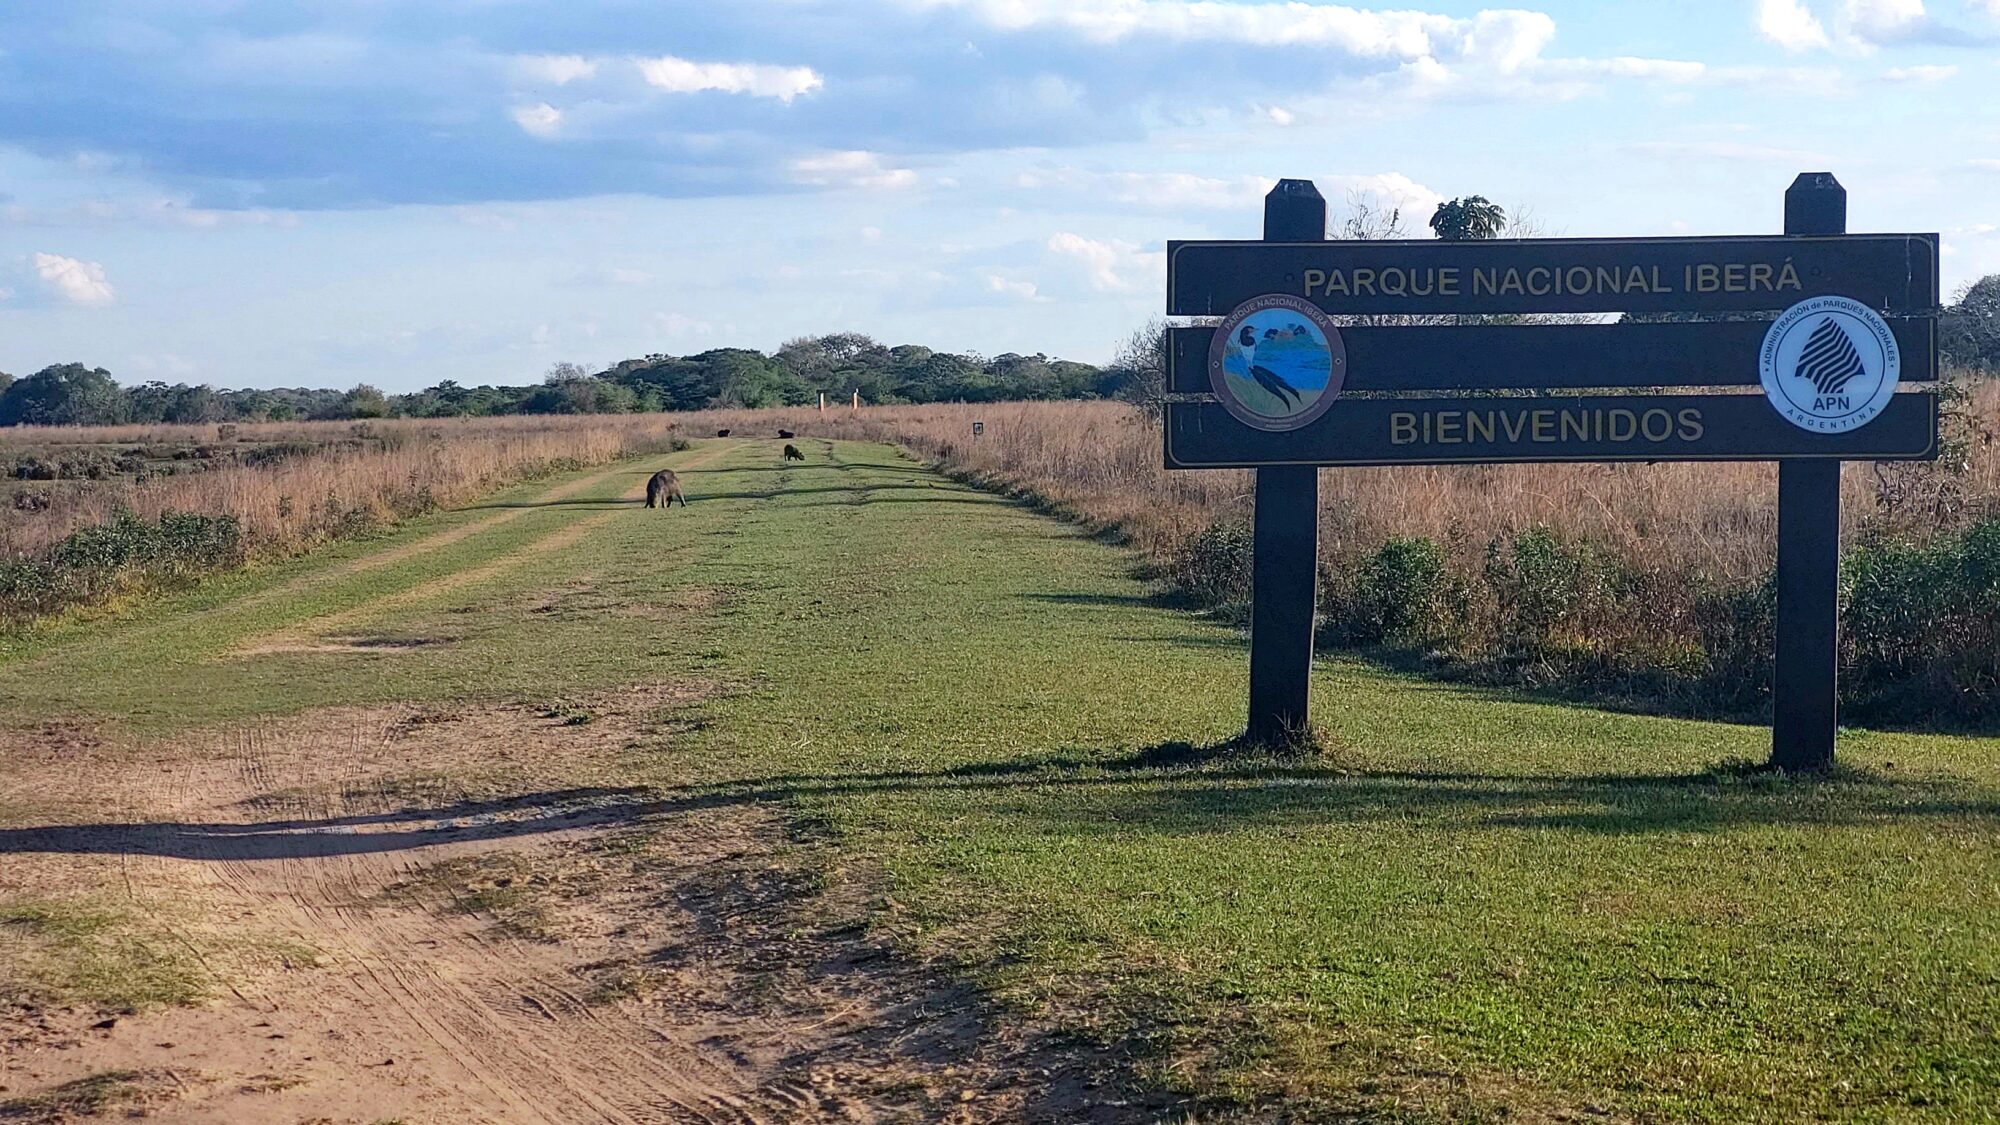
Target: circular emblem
pixel 1829 364
pixel 1277 362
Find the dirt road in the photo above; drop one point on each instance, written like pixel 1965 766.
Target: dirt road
pixel 464 911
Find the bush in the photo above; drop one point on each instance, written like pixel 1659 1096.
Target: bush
pixel 126 554
pixel 1921 627
pixel 1547 589
pixel 1403 594
pixel 1213 568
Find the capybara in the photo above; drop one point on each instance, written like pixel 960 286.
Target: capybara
pixel 791 454
pixel 722 433
pixel 664 489
pixel 786 434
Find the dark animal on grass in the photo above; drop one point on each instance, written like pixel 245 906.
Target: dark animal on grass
pixel 792 453
pixel 722 433
pixel 664 489
pixel 786 433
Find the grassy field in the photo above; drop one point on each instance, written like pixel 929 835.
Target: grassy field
pixel 1473 905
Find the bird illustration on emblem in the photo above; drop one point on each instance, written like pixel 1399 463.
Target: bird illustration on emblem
pixel 1265 377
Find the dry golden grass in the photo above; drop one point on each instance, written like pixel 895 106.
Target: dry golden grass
pixel 1102 462
pixel 408 465
pixel 1099 461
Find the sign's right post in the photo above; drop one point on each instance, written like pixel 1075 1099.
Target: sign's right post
pixel 1804 692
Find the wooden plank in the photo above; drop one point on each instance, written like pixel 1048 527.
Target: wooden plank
pixel 1577 428
pixel 1385 358
pixel 1892 273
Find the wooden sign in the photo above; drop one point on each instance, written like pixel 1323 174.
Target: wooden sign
pixel 1888 272
pixel 1840 366
pixel 1545 428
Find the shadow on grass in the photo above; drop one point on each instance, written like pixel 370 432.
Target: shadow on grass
pixel 1650 697
pixel 1169 789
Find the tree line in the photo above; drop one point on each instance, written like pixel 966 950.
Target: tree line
pixel 840 366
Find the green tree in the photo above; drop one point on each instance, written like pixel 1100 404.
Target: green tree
pixel 364 401
pixel 65 394
pixel 1470 219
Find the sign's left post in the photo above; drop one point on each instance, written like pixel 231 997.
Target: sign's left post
pixel 1285 536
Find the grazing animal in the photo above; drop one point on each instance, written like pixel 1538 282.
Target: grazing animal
pixel 786 434
pixel 791 454
pixel 722 433
pixel 664 489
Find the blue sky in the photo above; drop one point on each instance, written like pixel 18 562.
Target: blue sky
pixel 400 191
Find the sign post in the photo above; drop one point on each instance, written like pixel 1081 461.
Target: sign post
pixel 1805 695
pixel 1281 379
pixel 1285 536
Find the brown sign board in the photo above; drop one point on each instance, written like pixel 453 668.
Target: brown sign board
pixel 1543 428
pixel 1891 273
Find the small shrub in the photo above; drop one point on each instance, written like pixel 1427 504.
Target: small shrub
pixel 1213 568
pixel 1920 634
pixel 1405 593
pixel 128 553
pixel 1545 587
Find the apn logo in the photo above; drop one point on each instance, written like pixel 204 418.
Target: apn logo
pixel 1829 364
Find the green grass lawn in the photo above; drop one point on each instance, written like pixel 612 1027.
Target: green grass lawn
pixel 1473 903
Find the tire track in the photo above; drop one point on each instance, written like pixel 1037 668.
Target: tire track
pixel 475 1021
pixel 307 635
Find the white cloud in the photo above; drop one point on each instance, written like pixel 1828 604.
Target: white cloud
pixel 1731 151
pixel 1173 191
pixel 1025 290
pixel 1392 189
pixel 852 169
pixel 165 363
pixel 540 119
pixel 619 275
pixel 1104 261
pixel 1184 191
pixel 679 76
pixel 678 324
pixel 1985 165
pixel 1877 21
pixel 1790 24
pixel 1281 116
pixel 1920 75
pixel 1506 39
pixel 555 70
pixel 75 281
pixel 152 212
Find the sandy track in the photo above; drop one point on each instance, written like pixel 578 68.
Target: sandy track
pixel 494 1025
pixel 414 1006
pixel 335 874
